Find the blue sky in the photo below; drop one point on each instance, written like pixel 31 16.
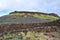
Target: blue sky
pixel 47 6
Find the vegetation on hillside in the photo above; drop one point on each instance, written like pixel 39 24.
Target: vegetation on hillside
pixel 31 35
pixel 26 36
pixel 47 17
pixel 41 16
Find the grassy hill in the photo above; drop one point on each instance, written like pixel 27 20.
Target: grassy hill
pixel 27 17
pixel 15 31
pixel 40 15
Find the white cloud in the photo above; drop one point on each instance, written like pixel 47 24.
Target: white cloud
pixel 32 5
pixel 2 5
pixel 20 4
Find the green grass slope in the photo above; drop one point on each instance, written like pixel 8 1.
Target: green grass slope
pixel 27 17
pixel 37 14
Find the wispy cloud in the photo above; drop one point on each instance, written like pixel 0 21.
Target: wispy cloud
pixel 31 5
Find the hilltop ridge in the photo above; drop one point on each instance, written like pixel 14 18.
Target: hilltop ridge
pixel 29 12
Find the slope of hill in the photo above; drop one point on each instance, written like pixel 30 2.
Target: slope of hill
pixel 21 20
pixel 27 17
pixel 22 25
pixel 40 15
